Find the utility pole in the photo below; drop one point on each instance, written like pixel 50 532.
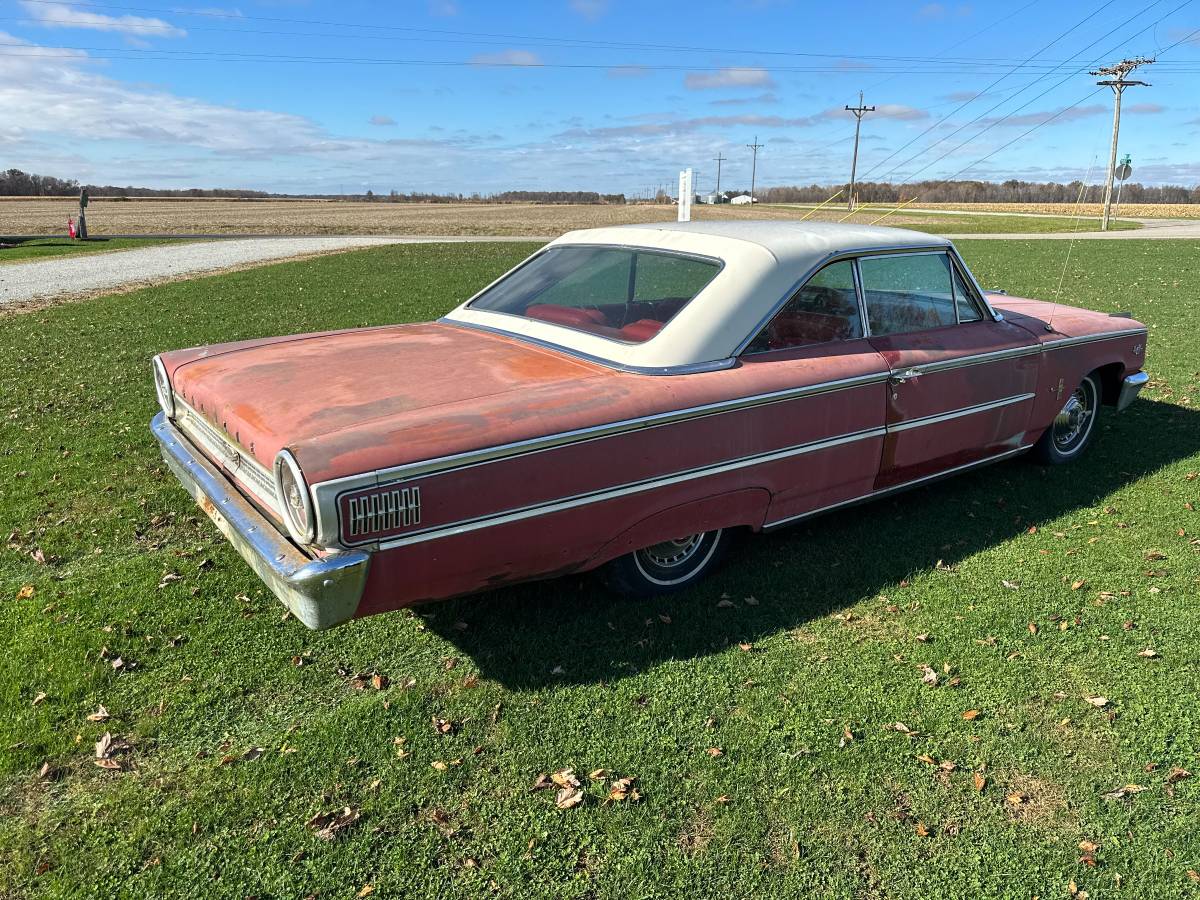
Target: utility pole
pixel 754 148
pixel 1115 78
pixel 718 159
pixel 859 111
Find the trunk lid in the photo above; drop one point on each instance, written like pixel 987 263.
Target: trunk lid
pixel 276 393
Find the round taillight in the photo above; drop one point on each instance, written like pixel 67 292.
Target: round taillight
pixel 294 501
pixel 162 387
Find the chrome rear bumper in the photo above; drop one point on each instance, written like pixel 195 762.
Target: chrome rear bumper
pixel 1130 387
pixel 320 593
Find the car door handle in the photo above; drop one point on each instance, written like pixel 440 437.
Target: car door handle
pixel 902 377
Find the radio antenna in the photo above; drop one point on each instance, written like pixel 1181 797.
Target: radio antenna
pixel 1071 245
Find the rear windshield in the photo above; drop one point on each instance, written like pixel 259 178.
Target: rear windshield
pixel 616 292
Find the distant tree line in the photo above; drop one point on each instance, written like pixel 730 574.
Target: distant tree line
pixel 1011 191
pixel 15 183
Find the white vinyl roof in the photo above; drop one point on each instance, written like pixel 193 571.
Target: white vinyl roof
pixel 763 263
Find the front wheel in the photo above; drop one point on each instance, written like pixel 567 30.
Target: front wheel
pixel 667 567
pixel 1073 427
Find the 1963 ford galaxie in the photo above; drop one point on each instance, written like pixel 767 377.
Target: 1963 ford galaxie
pixel 621 401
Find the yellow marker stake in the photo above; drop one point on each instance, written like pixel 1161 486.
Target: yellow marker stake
pixel 897 209
pixel 817 208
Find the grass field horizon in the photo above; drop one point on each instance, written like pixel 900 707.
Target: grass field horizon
pixel 318 217
pixel 778 719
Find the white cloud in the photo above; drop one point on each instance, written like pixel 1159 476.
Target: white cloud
pixel 590 9
pixel 59 15
pixel 1146 109
pixel 507 58
pixel 381 121
pixel 728 78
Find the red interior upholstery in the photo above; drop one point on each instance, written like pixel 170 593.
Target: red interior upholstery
pixel 566 315
pixel 641 330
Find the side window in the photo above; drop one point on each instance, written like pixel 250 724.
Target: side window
pixel 908 292
pixel 968 311
pixel 825 309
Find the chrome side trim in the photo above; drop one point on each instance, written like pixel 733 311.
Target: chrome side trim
pixel 528 512
pixel 916 482
pixel 321 593
pixel 231 455
pixel 326 493
pixel 979 359
pixel 958 413
pixel 1130 386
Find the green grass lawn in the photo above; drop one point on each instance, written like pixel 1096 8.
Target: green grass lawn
pixel 968 223
pixel 757 712
pixel 39 248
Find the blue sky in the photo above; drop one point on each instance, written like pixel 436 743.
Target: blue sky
pixel 609 95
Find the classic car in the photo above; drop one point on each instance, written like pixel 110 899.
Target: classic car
pixel 622 401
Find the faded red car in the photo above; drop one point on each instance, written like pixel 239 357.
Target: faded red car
pixel 623 400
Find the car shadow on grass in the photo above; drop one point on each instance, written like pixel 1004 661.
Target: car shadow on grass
pixel 571 630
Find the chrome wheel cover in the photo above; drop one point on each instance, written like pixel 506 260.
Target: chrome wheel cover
pixel 670 554
pixel 1074 421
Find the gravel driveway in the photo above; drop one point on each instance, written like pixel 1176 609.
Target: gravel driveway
pixel 96 272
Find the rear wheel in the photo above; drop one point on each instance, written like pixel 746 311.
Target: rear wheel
pixel 1072 429
pixel 666 567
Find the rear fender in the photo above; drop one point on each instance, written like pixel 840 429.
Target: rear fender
pixel 747 507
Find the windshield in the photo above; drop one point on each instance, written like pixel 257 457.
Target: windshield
pixel 616 292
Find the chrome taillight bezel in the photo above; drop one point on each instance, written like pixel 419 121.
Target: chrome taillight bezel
pixel 302 532
pixel 162 388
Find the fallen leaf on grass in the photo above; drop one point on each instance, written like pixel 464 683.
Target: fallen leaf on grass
pixel 1098 702
pixel 442 726
pixel 543 781
pixel 723 799
pixel 1011 585
pixel 365 891
pixel 1122 792
pixel 1016 798
pixel 114 765
pixel 714 752
pixel 971 715
pixel 26 592
pixel 922 829
pixel 568 797
pixel 721 604
pixel 1076 585
pixel 902 728
pixel 1177 774
pixel 622 790
pixel 1154 555
pixel 41 696
pixel 442 766
pixel 1148 653
pixel 929 676
pixel 328 826
pixel 980 781
pixel 565 778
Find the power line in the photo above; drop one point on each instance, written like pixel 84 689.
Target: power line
pixel 1013 112
pixel 939 59
pixel 988 88
pixel 718 159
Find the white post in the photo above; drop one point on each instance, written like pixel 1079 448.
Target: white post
pixel 684 211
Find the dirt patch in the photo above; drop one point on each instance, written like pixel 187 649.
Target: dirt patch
pixel 1035 801
pixel 697 834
